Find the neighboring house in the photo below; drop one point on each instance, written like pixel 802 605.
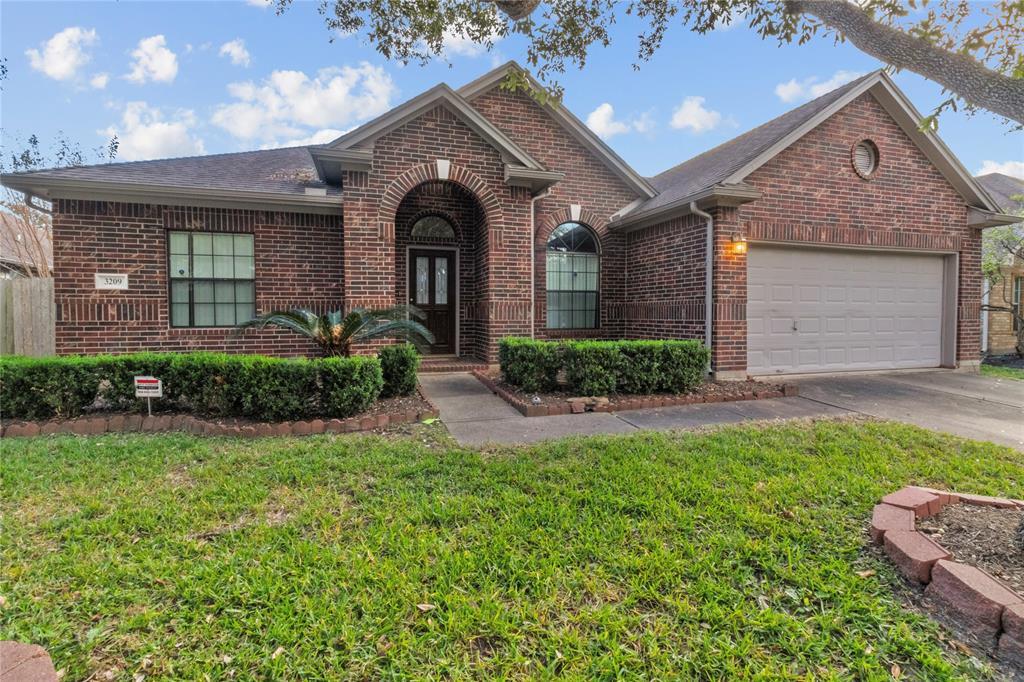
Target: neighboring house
pixel 24 250
pixel 501 216
pixel 1000 327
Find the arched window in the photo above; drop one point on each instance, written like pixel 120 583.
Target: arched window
pixel 572 277
pixel 433 227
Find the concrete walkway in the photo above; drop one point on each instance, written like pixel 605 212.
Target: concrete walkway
pixel 475 416
pixel 969 405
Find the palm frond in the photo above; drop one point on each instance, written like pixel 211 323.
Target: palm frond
pixel 301 321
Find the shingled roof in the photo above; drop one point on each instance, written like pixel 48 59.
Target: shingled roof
pixel 288 170
pixel 716 165
pixel 1003 189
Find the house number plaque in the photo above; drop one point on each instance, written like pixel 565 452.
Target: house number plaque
pixel 108 280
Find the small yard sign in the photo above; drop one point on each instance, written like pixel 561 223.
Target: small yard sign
pixel 109 280
pixel 149 388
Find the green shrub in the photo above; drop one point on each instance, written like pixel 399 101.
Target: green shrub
pixel 529 364
pixel 348 385
pixel 640 367
pixel 604 367
pixel 40 388
pixel 116 375
pixel 592 367
pixel 399 365
pixel 200 382
pixel 271 388
pixel 684 365
pixel 215 384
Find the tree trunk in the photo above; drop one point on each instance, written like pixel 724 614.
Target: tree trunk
pixel 960 74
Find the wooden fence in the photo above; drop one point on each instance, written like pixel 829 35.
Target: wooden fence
pixel 27 315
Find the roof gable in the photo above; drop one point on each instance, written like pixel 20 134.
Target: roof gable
pixel 729 164
pixel 569 122
pixel 440 94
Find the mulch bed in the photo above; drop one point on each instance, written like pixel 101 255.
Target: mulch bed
pixel 708 392
pixel 982 536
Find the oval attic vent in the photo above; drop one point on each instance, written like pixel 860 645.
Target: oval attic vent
pixel 865 158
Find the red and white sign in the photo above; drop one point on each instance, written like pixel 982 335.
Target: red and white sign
pixel 148 387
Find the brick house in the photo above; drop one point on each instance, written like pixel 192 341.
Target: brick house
pixel 999 334
pixel 841 237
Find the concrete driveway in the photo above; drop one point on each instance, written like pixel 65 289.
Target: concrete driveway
pixel 969 405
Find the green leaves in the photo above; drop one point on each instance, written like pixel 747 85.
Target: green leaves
pixel 335 332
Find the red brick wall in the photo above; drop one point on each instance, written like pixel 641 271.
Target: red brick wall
pixel 810 193
pixel 665 266
pixel 405 158
pixel 298 263
pixel 587 183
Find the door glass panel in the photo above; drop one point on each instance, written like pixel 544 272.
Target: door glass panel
pixel 422 280
pixel 441 281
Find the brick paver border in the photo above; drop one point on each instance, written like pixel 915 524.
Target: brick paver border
pixel 528 410
pixel 964 594
pixel 128 423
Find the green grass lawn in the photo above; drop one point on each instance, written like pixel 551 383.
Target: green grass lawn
pixel 1003 372
pixel 652 556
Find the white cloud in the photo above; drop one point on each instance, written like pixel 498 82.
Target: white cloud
pixel 693 115
pixel 795 90
pixel 1014 168
pixel 462 46
pixel 235 50
pixel 146 133
pixel 64 54
pixel 259 3
pixel 602 121
pixel 287 104
pixel 153 61
pixel 99 80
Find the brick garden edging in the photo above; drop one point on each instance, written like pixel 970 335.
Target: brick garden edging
pixel 129 423
pixel 966 595
pixel 529 410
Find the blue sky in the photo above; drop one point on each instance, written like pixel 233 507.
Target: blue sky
pixel 180 78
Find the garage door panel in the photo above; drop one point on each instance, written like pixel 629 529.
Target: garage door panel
pixel 851 310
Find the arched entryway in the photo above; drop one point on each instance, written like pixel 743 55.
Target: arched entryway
pixel 441 264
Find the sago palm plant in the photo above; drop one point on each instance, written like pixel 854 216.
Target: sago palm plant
pixel 335 332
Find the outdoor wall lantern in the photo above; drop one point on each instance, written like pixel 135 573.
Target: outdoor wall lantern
pixel 739 244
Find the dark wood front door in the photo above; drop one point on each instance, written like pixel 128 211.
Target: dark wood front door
pixel 432 285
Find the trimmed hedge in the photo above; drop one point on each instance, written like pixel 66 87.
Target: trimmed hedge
pixel 399 364
pixel 529 364
pixel 604 367
pixel 216 384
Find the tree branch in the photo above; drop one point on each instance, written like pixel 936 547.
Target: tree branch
pixel 958 73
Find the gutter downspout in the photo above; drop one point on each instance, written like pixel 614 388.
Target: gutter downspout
pixel 984 321
pixel 709 264
pixel 533 259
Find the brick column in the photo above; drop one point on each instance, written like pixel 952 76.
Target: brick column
pixel 968 324
pixel 729 329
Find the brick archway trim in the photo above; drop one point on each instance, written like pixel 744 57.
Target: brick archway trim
pixel 564 215
pixel 427 172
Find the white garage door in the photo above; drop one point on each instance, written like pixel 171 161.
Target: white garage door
pixel 828 310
